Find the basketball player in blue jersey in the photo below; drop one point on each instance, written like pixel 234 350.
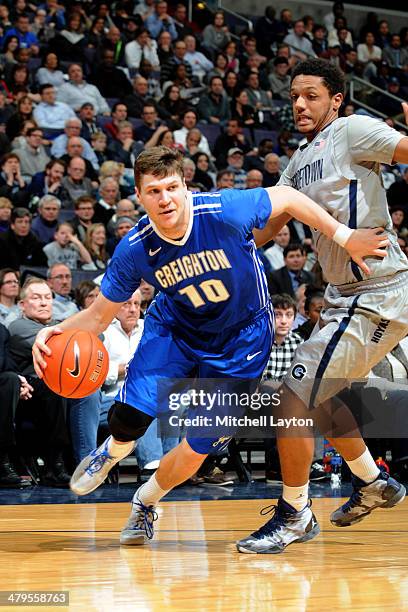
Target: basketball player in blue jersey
pixel 363 317
pixel 212 314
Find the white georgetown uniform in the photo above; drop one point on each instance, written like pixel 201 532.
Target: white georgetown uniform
pixel 364 317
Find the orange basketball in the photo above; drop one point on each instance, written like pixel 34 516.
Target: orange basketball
pixel 78 364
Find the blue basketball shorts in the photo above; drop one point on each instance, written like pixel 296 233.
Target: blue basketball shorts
pixel 163 355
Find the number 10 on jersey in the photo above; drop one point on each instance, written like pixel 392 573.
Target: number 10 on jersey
pixel 213 290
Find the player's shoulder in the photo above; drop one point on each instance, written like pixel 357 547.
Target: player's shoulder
pixel 138 233
pixel 206 200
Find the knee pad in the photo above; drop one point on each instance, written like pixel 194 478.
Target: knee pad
pixel 127 423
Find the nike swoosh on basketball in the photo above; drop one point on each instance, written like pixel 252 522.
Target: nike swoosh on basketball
pixel 152 253
pixel 249 357
pixel 75 372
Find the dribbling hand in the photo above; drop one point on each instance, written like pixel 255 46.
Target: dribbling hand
pixel 367 243
pixel 40 348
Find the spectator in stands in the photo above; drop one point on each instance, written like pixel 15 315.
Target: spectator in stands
pixel 204 172
pixel 50 114
pixel 189 120
pixel 66 248
pixel 75 149
pixel 59 279
pixel 274 254
pixel 119 113
pixel 213 105
pixel 124 208
pixel 13 388
pixel 337 11
pixel 95 243
pixel 254 179
pixel 49 73
pixel 84 213
pixel 285 341
pixel 299 44
pixel 164 47
pixel 257 97
pixel 244 112
pixel 394 54
pixel 12 184
pixel 279 79
pixel 225 180
pixel 114 40
pixel 387 105
pixel 45 409
pixel 31 154
pixel 143 46
pixel 167 71
pixel 151 126
pixel 86 293
pixel 183 26
pixel 111 81
pixel 106 205
pixel 268 31
pixel 289 148
pixel 160 21
pixel 232 137
pixel 340 34
pixel 9 51
pixel 189 171
pixel 69 44
pixel 76 183
pixel 399 225
pixel 88 119
pixel 94 37
pixel 314 303
pixel 45 223
pixel 16 121
pixel 5 213
pixel 173 104
pixel 220 67
pixel 271 171
pixel 199 63
pixel 125 149
pixel 383 38
pixel 288 278
pixel 77 91
pixel 99 144
pixel 397 194
pixel 122 226
pixel 49 182
pixel 26 38
pixel 319 41
pixel 73 128
pixel 235 160
pixel 216 34
pixel 368 51
pixel 9 291
pixel 135 101
pixel 265 146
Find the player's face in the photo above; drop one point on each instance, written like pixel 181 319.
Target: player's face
pixel 165 201
pixel 314 309
pixel 313 106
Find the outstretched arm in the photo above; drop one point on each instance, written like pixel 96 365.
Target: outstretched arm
pixel 401 150
pixel 358 243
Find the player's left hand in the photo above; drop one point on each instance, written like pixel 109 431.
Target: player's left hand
pixel 365 243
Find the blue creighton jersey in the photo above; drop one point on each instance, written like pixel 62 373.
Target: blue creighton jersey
pixel 211 280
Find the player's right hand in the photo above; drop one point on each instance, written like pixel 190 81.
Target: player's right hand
pixel 367 243
pixel 40 348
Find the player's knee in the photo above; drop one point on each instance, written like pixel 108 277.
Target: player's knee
pixel 127 423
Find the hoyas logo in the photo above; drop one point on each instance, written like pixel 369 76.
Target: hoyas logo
pixel 299 371
pixel 379 332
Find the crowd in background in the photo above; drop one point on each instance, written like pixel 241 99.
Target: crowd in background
pixel 84 88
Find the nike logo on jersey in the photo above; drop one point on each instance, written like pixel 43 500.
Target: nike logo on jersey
pixel 75 372
pixel 153 253
pixel 250 357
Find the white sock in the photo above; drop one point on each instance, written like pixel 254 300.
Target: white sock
pixel 150 493
pixel 119 451
pixel 297 497
pixel 364 467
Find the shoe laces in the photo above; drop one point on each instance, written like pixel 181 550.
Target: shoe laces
pixel 98 462
pixel 143 518
pixel 279 519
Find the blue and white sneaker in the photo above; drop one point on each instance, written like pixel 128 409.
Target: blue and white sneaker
pixel 287 526
pixel 384 492
pixel 139 528
pixel 93 470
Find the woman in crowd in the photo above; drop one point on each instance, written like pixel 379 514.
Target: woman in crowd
pixel 19 80
pixel 23 113
pixel 231 84
pixel 230 51
pixel 96 34
pixel 50 72
pixel 243 111
pixel 95 242
pixel 203 173
pixel 9 290
pixel 9 52
pixel 220 67
pixel 5 213
pixel 86 293
pixel 216 34
pixel 12 185
pixel 173 104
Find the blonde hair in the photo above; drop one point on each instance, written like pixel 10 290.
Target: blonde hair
pixel 101 255
pixel 109 168
pixel 5 203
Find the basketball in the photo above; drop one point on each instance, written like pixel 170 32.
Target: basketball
pixel 78 364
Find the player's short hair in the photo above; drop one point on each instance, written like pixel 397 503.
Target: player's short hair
pixel 332 77
pixel 283 301
pixel 160 162
pixel 294 246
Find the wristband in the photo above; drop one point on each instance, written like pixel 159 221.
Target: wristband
pixel 342 234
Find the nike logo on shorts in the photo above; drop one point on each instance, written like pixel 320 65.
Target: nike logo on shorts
pixel 152 253
pixel 250 357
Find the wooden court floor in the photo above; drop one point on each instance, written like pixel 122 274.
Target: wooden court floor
pixel 192 563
